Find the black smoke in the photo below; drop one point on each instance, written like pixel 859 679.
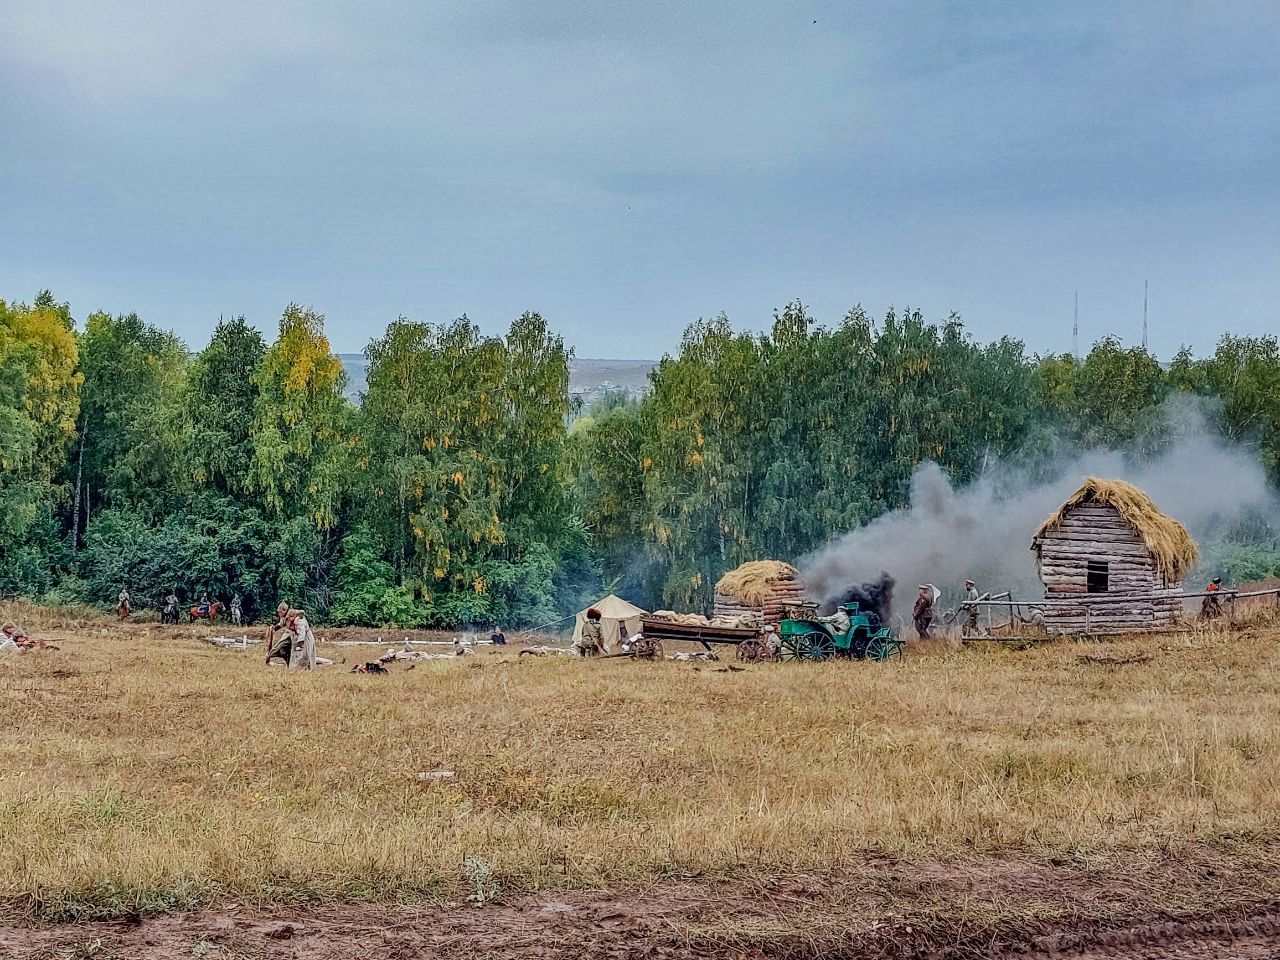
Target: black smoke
pixel 874 597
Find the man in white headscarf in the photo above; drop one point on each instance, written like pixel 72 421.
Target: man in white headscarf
pixel 922 613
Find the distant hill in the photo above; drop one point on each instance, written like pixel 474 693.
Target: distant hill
pixel 588 378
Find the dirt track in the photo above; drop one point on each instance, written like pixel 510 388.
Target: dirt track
pixel 998 909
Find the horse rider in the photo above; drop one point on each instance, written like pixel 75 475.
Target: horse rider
pixel 591 643
pixel 235 609
pixel 122 602
pixel 204 603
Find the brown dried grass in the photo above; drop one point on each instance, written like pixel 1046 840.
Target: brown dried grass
pixel 1170 544
pixel 140 769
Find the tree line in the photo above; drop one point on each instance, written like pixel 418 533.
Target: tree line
pixel 465 487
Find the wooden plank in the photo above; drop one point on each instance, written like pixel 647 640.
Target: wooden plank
pixel 1103 528
pixel 1118 544
pixel 1093 545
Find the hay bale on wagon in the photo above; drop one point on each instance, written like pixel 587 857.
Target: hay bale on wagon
pixel 762 589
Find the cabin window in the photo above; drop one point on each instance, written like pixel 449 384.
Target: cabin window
pixel 1099 576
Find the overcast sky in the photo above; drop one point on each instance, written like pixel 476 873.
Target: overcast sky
pixel 625 168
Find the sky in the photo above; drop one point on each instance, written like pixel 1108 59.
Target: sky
pixel 625 168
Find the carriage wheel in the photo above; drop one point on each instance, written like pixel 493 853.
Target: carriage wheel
pixel 751 651
pixel 794 648
pixel 655 650
pixel 883 648
pixel 821 646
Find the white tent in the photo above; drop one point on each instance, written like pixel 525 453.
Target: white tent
pixel 615 615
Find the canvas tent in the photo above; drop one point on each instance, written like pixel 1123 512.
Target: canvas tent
pixel 615 613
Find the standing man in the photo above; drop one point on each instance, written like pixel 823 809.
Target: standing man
pixel 970 608
pixel 236 616
pixel 592 641
pixel 304 645
pixel 1211 608
pixel 922 613
pixel 170 608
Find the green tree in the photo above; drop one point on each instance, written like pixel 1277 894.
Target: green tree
pixel 1110 399
pixel 301 423
pixel 39 402
pixel 218 404
pixel 1244 374
pixel 128 437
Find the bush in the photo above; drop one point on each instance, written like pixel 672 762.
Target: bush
pixel 219 546
pixel 364 587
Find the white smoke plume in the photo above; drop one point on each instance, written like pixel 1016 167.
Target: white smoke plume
pixel 983 531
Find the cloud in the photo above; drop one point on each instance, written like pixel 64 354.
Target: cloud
pixel 628 167
pixel 120 50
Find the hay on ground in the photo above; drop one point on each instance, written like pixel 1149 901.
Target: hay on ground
pixel 1174 551
pixel 751 582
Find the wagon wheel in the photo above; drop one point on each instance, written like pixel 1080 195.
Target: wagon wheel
pixel 883 648
pixel 646 649
pixel 751 651
pixel 794 648
pixel 821 646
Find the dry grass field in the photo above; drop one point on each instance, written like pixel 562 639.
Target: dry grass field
pixel 143 772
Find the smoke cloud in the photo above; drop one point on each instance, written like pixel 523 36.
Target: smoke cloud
pixel 983 531
pixel 873 597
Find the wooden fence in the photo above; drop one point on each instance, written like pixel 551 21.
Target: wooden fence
pixel 1018 622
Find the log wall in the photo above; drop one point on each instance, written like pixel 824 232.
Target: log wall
pixel 1098 532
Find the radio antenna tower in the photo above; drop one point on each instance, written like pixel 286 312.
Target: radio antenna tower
pixel 1144 314
pixel 1075 328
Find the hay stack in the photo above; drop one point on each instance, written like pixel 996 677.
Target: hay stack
pixel 762 589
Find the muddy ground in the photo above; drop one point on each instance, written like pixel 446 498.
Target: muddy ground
pixel 1139 905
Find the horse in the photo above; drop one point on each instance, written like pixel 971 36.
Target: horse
pixel 194 613
pixel 169 613
pixel 122 612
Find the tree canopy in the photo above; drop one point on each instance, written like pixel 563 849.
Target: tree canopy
pixel 466 485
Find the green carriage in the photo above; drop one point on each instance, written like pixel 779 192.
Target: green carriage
pixel 811 639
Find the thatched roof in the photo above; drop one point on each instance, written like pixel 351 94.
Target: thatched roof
pixel 1170 544
pixel 750 582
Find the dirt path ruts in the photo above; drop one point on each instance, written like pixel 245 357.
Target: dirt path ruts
pixel 742 920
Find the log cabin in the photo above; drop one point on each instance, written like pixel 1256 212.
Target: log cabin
pixel 1111 562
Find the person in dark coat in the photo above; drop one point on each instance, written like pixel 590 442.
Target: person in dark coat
pixel 922 613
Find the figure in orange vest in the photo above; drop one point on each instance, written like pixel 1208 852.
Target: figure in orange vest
pixel 1211 608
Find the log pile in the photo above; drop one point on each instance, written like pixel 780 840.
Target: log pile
pixel 764 591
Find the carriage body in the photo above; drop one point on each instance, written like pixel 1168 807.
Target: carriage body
pixel 866 639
